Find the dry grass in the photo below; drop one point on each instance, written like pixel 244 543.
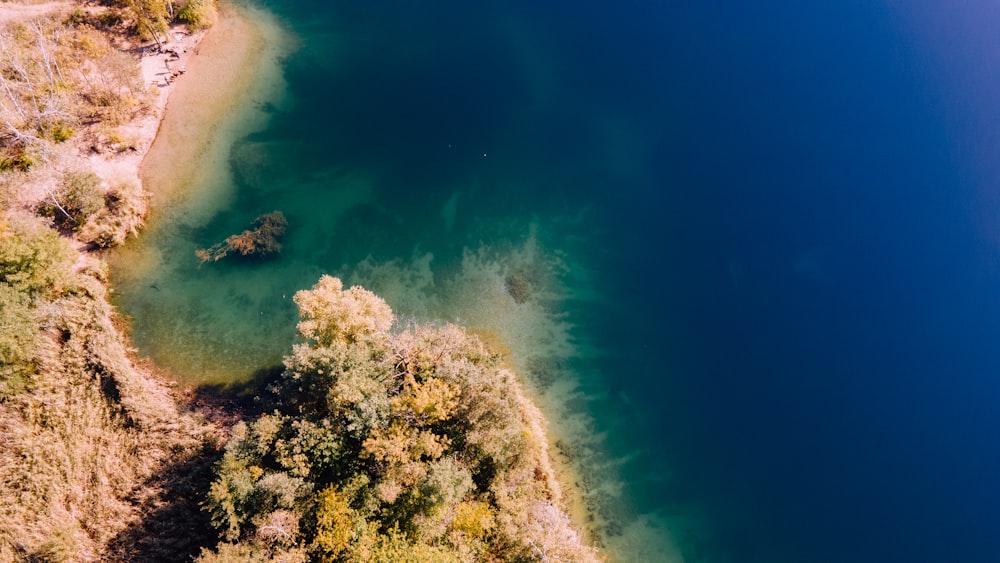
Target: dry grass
pixel 81 448
pixel 96 456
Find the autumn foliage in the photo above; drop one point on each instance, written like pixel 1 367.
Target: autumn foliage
pixel 413 445
pixel 262 239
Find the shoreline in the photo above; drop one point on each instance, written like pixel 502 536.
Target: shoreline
pixel 221 68
pixel 585 470
pixel 198 113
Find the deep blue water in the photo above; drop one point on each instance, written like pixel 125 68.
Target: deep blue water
pixel 786 210
pixel 821 278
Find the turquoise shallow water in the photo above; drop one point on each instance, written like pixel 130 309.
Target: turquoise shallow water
pixel 428 174
pixel 759 243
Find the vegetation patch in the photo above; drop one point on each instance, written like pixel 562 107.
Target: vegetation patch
pixel 124 208
pixel 261 240
pixel 518 287
pixel 413 445
pixel 92 447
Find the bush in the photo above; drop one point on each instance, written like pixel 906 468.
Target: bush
pixel 414 446
pixel 126 205
pixel 33 259
pixel 109 19
pixel 60 132
pixel 76 17
pixel 78 198
pixel 198 14
pixel 60 547
pixel 18 338
pixel 18 158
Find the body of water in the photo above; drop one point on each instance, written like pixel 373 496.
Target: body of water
pixel 759 242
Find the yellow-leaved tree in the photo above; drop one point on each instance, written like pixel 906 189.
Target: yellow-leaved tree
pixel 406 445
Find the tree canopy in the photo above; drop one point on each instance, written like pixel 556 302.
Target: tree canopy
pixel 413 445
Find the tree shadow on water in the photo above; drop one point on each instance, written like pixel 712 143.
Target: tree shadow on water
pixel 229 403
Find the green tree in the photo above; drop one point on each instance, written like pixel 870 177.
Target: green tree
pixel 126 205
pixel 408 446
pixel 33 259
pixel 332 315
pixel 78 198
pixel 198 14
pixel 335 522
pixel 150 16
pixel 18 339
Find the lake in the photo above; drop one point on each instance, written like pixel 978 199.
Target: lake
pixel 753 249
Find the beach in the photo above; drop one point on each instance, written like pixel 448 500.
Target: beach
pixel 209 101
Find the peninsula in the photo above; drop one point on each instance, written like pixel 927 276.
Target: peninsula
pixel 377 441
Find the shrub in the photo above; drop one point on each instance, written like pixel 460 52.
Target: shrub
pixel 60 132
pixel 60 547
pixel 198 14
pixel 78 197
pixel 126 205
pixel 33 259
pixel 76 17
pixel 334 522
pixel 18 338
pixel 18 158
pixel 109 19
pixel 473 518
pixel 241 553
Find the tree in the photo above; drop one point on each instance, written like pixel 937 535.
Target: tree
pixel 333 316
pixel 18 339
pixel 33 259
pixel 406 446
pixel 198 14
pixel 125 207
pixel 151 17
pixel 334 523
pixel 78 198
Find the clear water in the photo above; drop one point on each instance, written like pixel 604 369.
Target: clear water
pixel 760 238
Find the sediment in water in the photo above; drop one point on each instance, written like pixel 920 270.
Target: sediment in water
pixel 532 327
pixel 189 170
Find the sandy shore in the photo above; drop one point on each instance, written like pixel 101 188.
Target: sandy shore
pixel 195 91
pixel 221 70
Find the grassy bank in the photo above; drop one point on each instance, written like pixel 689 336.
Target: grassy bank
pixel 97 452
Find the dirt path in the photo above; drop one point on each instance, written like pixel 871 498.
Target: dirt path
pixel 19 12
